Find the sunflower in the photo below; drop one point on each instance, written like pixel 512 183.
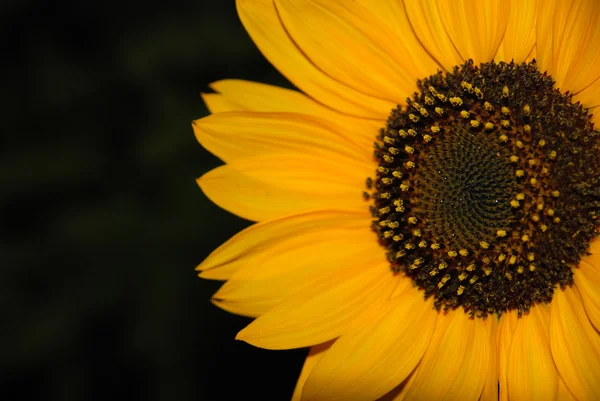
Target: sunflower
pixel 426 205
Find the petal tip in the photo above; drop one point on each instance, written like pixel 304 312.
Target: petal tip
pixel 242 336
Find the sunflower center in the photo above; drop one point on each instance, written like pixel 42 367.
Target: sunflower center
pixel 486 193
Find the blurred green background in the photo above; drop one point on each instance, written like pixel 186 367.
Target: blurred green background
pixel 102 221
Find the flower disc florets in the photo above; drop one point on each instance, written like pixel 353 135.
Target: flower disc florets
pixel 487 192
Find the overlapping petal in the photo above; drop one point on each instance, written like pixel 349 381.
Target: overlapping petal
pixel 324 311
pixel 587 280
pixel 426 21
pixel 271 186
pixel 568 37
pixel 407 48
pixel 454 31
pixel 453 364
pixel 563 393
pixel 349 42
pixel 506 330
pixel 240 134
pixel 249 245
pixel 399 393
pixel 366 363
pixel 575 345
pixel 530 370
pixel 295 261
pixel 490 387
pixel 314 356
pixel 518 41
pixel 475 27
pixel 262 21
pixel 217 103
pixel 238 95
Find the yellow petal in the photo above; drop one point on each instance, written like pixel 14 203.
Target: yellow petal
pixel 426 22
pixel 261 20
pixel 351 39
pixel 399 393
pixel 490 388
pixel 240 134
pixel 531 374
pixel 532 55
pixel 453 364
pixel 575 345
pixel 294 263
pixel 594 249
pixel 568 37
pixel 239 95
pixel 475 27
pixel 587 280
pixel 314 356
pixel 271 186
pixel 324 311
pixel 247 247
pixel 408 50
pixel 366 363
pixel 506 330
pixel 563 393
pixel 256 96
pixel 590 97
pixel 217 103
pixel 519 37
pixel 549 26
pixel 404 284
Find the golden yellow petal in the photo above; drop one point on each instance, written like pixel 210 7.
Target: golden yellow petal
pixel 295 262
pixel 325 310
pixel 366 363
pixel 426 22
pixel 490 387
pixel 575 345
pixel 404 284
pixel 590 97
pixel 548 28
pixel 399 393
pixel 408 50
pixel 594 250
pixel 247 247
pixel 239 95
pixel 256 96
pixel 506 330
pixel 270 186
pixel 340 40
pixel 241 134
pixel 519 37
pixel 563 393
pixel 532 55
pixel 530 373
pixel 314 356
pixel 475 27
pixel 568 38
pixel 261 20
pixel 587 280
pixel 373 61
pixel 453 364
pixel 217 103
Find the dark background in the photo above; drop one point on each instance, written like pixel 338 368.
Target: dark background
pixel 102 222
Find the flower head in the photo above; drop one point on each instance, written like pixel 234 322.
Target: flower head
pixel 427 207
